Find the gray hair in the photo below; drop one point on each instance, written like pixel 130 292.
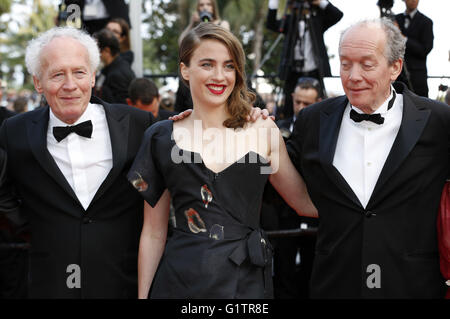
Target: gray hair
pixel 35 46
pixel 395 41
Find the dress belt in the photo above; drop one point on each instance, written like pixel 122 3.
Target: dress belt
pixel 253 243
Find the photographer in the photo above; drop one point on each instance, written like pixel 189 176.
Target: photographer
pixel 308 52
pixel 207 11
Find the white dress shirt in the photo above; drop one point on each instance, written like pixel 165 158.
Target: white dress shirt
pixel 84 162
pixel 362 148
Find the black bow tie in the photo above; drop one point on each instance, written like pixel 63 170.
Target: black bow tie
pixel 375 118
pixel 82 129
pixel 359 117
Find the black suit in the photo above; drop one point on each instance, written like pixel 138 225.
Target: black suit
pixel 418 46
pixel 397 230
pixel 320 21
pixel 103 240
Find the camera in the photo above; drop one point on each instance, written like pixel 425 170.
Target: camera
pixel 205 16
pixel 386 9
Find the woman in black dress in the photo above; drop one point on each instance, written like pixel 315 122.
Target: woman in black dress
pixel 214 165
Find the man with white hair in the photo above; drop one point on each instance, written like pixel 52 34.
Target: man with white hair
pixel 68 163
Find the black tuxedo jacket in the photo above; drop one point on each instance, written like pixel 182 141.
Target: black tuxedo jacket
pixel 102 241
pixel 321 20
pixel 397 230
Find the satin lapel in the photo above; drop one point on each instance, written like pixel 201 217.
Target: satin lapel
pixel 118 124
pixel 37 135
pixel 413 123
pixel 330 123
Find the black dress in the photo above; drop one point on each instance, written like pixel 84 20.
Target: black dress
pixel 216 249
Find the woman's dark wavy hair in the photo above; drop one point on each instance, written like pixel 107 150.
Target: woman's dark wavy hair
pixel 240 101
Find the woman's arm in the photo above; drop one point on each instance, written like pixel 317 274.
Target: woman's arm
pixel 286 179
pixel 152 242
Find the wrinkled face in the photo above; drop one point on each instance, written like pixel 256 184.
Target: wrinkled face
pixel 66 78
pixel 302 98
pixel 365 72
pixel 205 5
pixel 211 73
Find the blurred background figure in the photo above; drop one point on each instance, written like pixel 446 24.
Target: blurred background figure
pixel 121 30
pixel 95 14
pixel 143 94
pixel 447 97
pixel 116 75
pixel 418 30
pixel 168 100
pixel 304 52
pixel 206 11
pixel 306 92
pixel 20 104
pixel 4 111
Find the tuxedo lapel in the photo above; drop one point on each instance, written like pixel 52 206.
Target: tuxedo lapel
pixel 411 128
pixel 118 125
pixel 330 123
pixel 37 136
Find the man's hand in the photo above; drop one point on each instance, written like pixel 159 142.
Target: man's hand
pixel 256 112
pixel 181 116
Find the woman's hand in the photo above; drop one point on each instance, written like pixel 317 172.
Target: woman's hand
pixel 256 113
pixel 181 116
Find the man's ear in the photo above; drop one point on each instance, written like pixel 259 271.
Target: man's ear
pixel 184 71
pixel 396 69
pixel 93 79
pixel 37 85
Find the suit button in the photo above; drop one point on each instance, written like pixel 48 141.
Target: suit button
pixel 370 214
pixel 87 220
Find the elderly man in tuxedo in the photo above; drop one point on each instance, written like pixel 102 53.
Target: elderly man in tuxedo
pixel 68 163
pixel 375 161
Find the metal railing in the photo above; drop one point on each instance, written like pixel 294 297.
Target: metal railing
pixel 283 233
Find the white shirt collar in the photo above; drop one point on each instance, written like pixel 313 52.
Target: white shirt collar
pixel 411 14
